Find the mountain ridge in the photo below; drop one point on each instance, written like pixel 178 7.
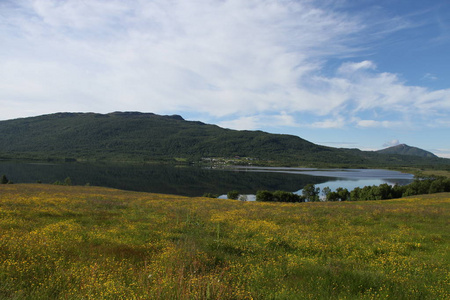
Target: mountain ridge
pixel 136 136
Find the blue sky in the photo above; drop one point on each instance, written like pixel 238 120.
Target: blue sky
pixel 361 74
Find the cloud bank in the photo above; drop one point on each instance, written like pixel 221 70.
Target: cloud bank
pixel 244 63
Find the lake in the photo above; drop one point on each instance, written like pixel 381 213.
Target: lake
pixel 195 181
pixel 345 178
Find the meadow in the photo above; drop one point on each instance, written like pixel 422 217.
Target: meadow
pixel 73 242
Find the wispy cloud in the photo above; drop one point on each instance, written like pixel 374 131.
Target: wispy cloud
pixel 374 123
pixel 429 76
pixel 351 68
pixel 445 153
pixel 338 122
pixel 391 143
pixel 256 122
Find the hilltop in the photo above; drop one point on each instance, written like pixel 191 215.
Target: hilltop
pixel 136 136
pixel 404 149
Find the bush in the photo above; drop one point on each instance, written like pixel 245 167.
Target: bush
pixel 264 196
pixel 278 196
pixel 282 196
pixel 210 195
pixel 68 181
pixel 4 180
pixel 233 195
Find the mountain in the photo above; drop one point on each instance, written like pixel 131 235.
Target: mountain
pixel 404 149
pixel 141 136
pixel 135 136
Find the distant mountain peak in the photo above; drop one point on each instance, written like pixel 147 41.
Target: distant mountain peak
pixel 404 149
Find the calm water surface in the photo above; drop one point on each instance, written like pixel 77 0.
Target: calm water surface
pixel 195 181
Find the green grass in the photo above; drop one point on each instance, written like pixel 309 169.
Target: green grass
pixel 63 242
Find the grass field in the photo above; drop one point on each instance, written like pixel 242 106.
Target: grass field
pixel 66 242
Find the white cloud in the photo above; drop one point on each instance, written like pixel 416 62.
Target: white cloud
pixel 374 124
pixel 243 123
pixel 445 153
pixel 391 143
pixel 351 67
pixel 429 76
pixel 338 122
pixel 259 121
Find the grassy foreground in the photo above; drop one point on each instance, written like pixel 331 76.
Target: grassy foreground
pixel 98 243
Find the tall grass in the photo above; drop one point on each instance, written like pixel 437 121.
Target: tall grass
pixel 60 242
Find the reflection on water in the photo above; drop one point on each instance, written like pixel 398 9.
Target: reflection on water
pixel 337 173
pixel 194 181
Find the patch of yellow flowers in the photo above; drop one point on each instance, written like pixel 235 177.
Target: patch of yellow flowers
pixel 66 242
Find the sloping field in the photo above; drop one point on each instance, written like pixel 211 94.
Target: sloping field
pixel 59 242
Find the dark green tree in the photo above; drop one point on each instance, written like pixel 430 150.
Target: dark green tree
pixel 382 192
pixel 367 193
pixel 4 179
pixel 397 191
pixel 210 195
pixel 233 195
pixel 282 196
pixel 325 191
pixel 440 185
pixel 68 181
pixel 332 196
pixel 264 196
pixel 310 192
pixel 355 194
pixel 343 194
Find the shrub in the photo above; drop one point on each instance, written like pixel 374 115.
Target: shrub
pixel 68 181
pixel 233 195
pixel 264 196
pixel 4 179
pixel 210 195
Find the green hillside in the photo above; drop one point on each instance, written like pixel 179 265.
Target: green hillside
pixel 134 136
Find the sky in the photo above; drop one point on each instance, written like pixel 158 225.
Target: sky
pixel 364 74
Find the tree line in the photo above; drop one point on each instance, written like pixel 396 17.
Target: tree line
pixel 310 193
pixel 67 181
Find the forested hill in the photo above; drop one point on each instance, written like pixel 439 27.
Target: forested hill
pixel 134 136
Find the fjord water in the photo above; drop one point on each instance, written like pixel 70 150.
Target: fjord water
pixel 345 178
pixel 195 181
